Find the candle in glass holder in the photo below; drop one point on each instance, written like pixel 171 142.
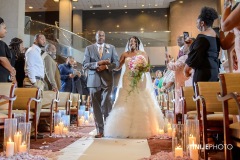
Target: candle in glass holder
pixel 169 131
pixel 17 141
pixel 23 148
pixel 61 127
pixel 160 131
pixel 168 125
pixel 178 151
pixel 56 129
pixel 10 148
pixel 191 139
pixel 86 122
pixel 83 118
pixel 193 149
pixel 80 121
pixel 65 130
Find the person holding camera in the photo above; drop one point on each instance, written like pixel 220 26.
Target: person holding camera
pixel 68 75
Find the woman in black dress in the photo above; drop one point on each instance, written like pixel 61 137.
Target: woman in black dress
pixel 7 72
pixel 203 55
pixel 18 59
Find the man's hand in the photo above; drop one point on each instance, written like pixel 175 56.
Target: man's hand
pixel 71 75
pixel 101 68
pixel 103 62
pixel 55 89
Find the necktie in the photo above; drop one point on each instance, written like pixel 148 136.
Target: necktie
pixel 100 52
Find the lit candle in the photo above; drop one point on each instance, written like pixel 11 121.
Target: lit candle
pixel 10 148
pixel 193 151
pixel 168 125
pixel 56 129
pixel 17 141
pixel 83 118
pixel 65 130
pixel 80 121
pixel 178 151
pixel 91 118
pixel 86 122
pixel 191 139
pixel 160 131
pixel 61 127
pixel 23 148
pixel 169 131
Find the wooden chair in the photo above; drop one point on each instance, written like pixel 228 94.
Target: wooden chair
pixel 64 102
pixel 189 106
pixel 6 100
pixel 230 98
pixel 50 101
pixel 76 101
pixel 210 110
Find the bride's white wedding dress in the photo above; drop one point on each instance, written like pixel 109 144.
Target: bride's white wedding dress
pixel 136 115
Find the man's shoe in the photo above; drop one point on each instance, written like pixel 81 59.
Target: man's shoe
pixel 100 135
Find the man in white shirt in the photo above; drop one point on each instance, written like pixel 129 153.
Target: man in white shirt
pixel 34 68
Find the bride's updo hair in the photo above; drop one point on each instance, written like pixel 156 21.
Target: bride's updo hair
pixel 208 15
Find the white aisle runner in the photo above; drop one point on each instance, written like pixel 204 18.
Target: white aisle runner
pixel 106 149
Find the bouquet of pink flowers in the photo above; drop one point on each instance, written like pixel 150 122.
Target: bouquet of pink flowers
pixel 138 65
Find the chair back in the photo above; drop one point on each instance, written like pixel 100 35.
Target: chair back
pixel 48 96
pixel 187 95
pixel 209 90
pixel 7 96
pixel 76 99
pixel 230 83
pixel 23 96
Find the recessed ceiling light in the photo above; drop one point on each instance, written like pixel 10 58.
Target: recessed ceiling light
pixel 180 1
pixel 109 32
pixel 143 5
pixel 74 0
pixel 125 6
pixel 56 0
pixel 142 11
pixel 141 29
pixel 109 12
pixel 155 5
pixel 74 7
pixel 90 6
pixel 154 11
pixel 117 26
pixel 93 13
pixel 167 31
pixel 30 7
pixel 149 43
pixel 126 32
pixel 108 6
pixel 125 12
pixel 155 31
pixel 165 15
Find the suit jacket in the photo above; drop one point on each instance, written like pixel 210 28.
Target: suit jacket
pixel 91 58
pixel 67 83
pixel 52 74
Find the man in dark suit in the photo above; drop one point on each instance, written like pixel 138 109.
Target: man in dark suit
pixel 100 59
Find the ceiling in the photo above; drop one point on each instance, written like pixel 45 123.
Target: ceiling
pixel 50 5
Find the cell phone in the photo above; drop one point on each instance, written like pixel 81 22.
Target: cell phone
pixel 185 35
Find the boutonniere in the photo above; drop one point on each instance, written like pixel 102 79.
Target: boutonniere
pixel 107 46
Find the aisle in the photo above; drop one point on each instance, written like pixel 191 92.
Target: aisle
pixel 106 149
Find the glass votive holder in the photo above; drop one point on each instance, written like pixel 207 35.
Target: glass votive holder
pixel 170 116
pixel 57 120
pixel 10 128
pixel 21 117
pixel 192 138
pixel 23 145
pixel 178 140
pixel 65 119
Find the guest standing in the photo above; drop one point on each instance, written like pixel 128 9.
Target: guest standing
pixel 203 55
pixel 6 68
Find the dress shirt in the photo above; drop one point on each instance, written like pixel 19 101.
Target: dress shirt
pixel 34 63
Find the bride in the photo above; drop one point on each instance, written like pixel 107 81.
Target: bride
pixel 135 115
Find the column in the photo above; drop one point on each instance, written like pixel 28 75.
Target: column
pixel 13 13
pixel 65 14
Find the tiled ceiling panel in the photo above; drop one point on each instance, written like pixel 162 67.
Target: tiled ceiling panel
pixel 50 5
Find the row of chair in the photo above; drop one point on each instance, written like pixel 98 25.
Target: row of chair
pixel 216 106
pixel 36 104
